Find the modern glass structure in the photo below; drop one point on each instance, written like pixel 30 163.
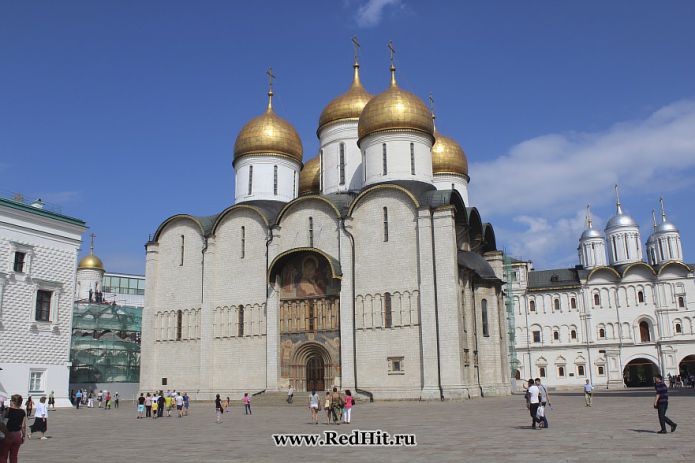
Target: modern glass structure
pixel 105 343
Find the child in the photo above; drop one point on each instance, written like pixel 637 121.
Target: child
pixel 327 406
pixel 247 404
pixel 155 406
pixel 228 405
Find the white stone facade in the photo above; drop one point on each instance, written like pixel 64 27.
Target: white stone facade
pixel 36 299
pixel 266 178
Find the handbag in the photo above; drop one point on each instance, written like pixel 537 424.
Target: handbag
pixel 540 413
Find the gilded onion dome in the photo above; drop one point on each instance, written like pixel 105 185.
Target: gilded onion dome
pixel 310 178
pixel 347 106
pixel 91 261
pixel 395 109
pixel 448 156
pixel 268 134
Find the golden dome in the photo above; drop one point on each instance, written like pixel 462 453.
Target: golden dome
pixel 448 156
pixel 347 106
pixel 91 261
pixel 395 109
pixel 310 178
pixel 268 134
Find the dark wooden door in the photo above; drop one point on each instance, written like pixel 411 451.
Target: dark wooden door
pixel 315 374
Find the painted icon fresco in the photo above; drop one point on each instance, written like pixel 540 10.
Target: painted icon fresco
pixel 307 275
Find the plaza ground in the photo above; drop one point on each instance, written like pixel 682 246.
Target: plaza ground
pixel 619 427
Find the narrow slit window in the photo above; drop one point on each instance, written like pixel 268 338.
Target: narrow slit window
pixel 294 183
pixel 532 306
pixel 183 246
pixel 388 315
pixel 243 242
pixel 364 167
pixel 412 158
pixel 311 232
pixel 597 299
pixel 615 249
pixel 321 170
pixel 573 303
pixel 179 324
pixel 240 328
pixel 627 249
pixel 640 296
pixel 275 180
pixel 483 305
pixel 384 160
pixel 250 179
pixel 556 303
pixel 386 224
pixel 342 164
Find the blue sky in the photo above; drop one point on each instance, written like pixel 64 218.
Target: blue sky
pixel 124 113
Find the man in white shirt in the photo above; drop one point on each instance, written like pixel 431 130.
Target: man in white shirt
pixel 534 401
pixel 588 389
pixel 179 404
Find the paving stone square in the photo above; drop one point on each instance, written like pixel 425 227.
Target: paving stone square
pixel 619 427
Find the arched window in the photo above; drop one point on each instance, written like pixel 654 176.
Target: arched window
pixel 412 159
pixel 573 334
pixel 341 164
pixel 243 242
pixel 483 306
pixel 679 330
pixel 640 296
pixel 384 161
pixel 240 328
pixel 556 304
pixel 311 232
pixel 388 315
pixel 183 240
pixel 386 224
pixel 250 179
pixel 644 334
pixel 573 303
pixel 561 372
pixel 556 335
pixel 681 301
pixel 532 305
pixel 601 333
pixel 597 299
pixel 179 324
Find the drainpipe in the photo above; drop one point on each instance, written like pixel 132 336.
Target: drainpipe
pixel 354 296
pixel 269 238
pixel 436 312
pixel 475 336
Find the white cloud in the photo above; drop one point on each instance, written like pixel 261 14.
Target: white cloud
pixel 369 14
pixel 543 184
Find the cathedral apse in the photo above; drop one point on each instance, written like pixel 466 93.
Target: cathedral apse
pixel 309 322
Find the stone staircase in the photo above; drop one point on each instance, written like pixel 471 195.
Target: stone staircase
pixel 280 399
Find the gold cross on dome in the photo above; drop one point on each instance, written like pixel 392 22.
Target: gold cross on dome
pixel 271 76
pixel 356 45
pixel 392 51
pixel 431 100
pixel 91 246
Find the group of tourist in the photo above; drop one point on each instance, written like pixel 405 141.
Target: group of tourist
pixel 678 381
pixel 83 397
pixel 154 405
pixel 338 406
pixel 13 425
pixel 225 406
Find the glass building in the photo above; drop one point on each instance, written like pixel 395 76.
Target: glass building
pixel 105 343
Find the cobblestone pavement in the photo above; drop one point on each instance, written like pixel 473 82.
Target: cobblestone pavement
pixel 619 427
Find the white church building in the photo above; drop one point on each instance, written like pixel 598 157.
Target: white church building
pixel 615 318
pixel 364 268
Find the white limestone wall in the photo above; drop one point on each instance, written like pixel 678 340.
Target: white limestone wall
pixel 293 229
pixel 665 247
pixel 398 157
pixel 453 182
pixel 624 245
pixel 330 139
pixel 88 278
pixel 263 178
pixel 592 252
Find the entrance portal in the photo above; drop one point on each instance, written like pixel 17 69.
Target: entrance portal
pixel 687 367
pixel 315 371
pixel 640 373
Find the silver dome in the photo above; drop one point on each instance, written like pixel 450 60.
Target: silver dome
pixel 664 227
pixel 621 220
pixel 591 233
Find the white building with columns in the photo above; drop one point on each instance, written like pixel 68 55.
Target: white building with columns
pixel 38 256
pixel 357 269
pixel 613 319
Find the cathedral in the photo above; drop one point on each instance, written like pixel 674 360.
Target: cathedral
pixel 364 268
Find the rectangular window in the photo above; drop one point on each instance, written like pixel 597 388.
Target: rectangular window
pixel 542 372
pixel 364 167
pixel 43 305
pixel 321 170
pixel 243 242
pixel 627 249
pixel 580 370
pixel 395 365
pixel 183 241
pixel 386 224
pixel 388 315
pixel 311 232
pixel 294 183
pixel 384 162
pixel 250 179
pixel 240 328
pixel 36 381
pixel 164 381
pixel 601 371
pixel 275 180
pixel 561 372
pixel 19 258
pixel 483 305
pixel 536 336
pixel 412 159
pixel 342 164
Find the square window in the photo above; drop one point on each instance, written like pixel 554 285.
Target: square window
pixel 395 365
pixel 43 306
pixel 36 381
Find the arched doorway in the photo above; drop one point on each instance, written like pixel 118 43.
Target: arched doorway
pixel 315 372
pixel 644 334
pixel 687 366
pixel 640 372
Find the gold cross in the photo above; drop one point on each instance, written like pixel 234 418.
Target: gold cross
pixel 271 76
pixel 431 99
pixel 91 247
pixel 392 51
pixel 355 44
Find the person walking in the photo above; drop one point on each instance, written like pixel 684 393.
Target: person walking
pixel 661 404
pixel 290 394
pixel 327 407
pixel 545 402
pixel 107 400
pixel 349 402
pixel 78 398
pixel 218 408
pixel 336 405
pixel 228 405
pixel 155 406
pixel 141 406
pixel 186 403
pixel 588 390
pixel 167 404
pixel 533 401
pixel 52 400
pixel 40 419
pixel 16 430
pixel 100 398
pixel 90 399
pixel 29 406
pixel 247 404
pixel 314 406
pixel 179 404
pixel 160 404
pixel 115 400
pixel 148 406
